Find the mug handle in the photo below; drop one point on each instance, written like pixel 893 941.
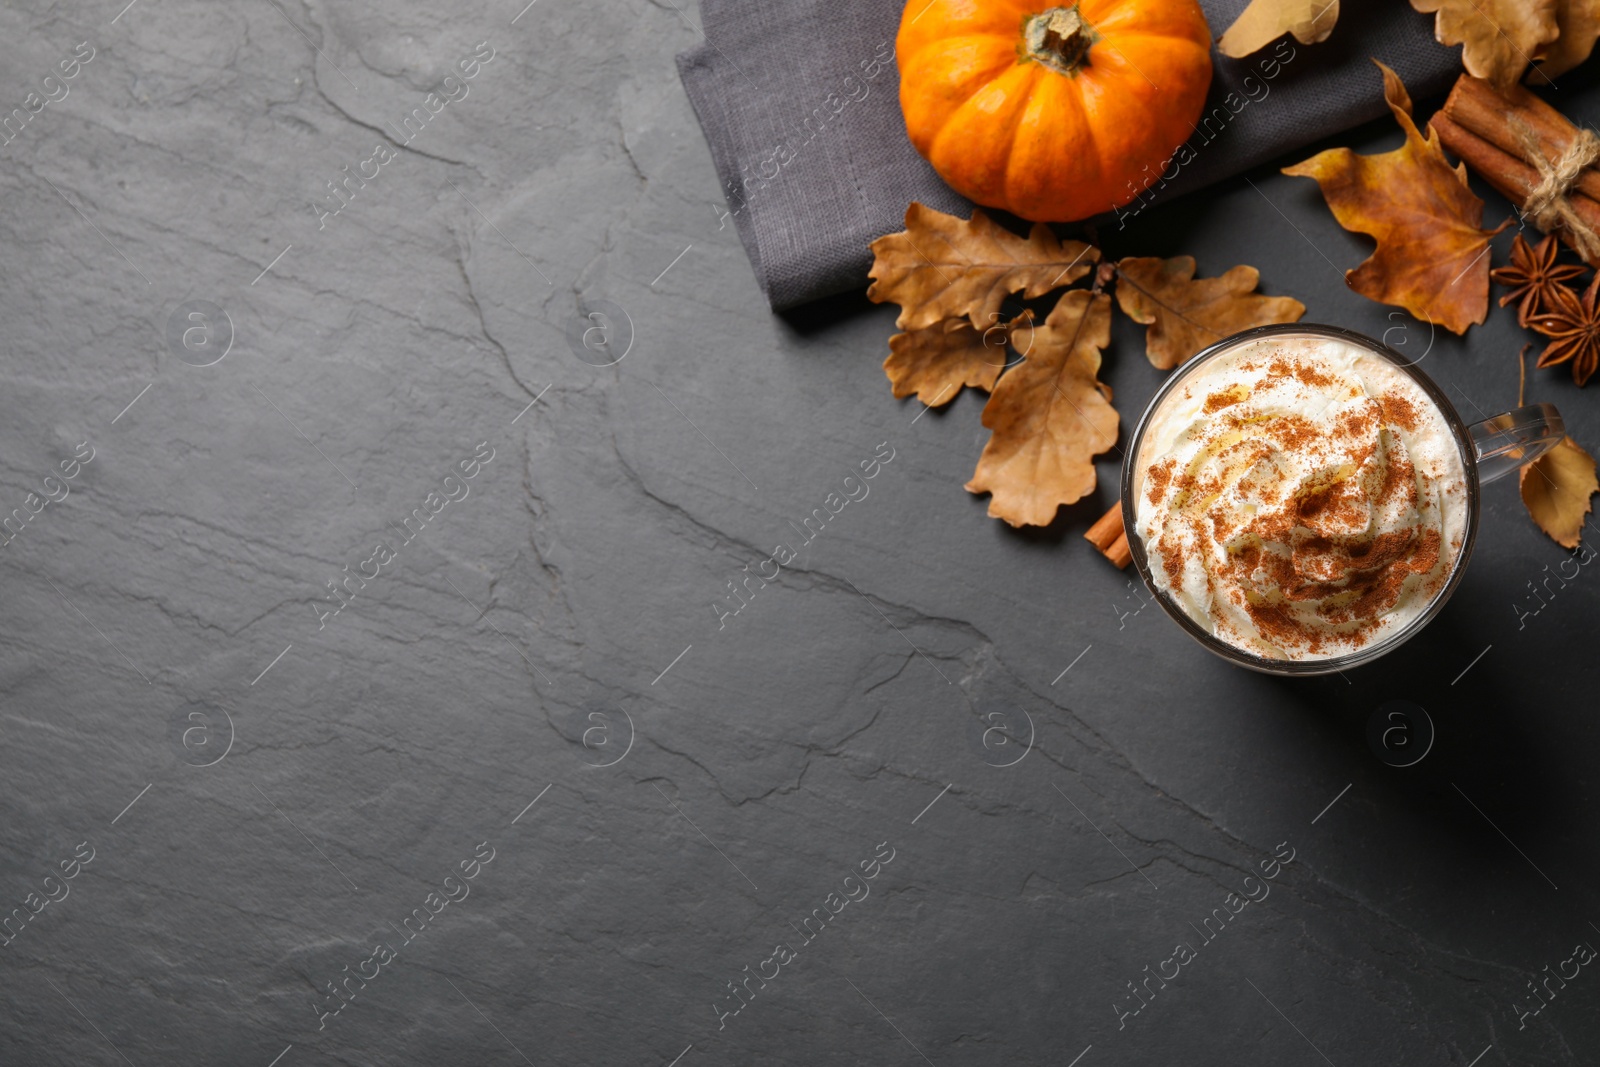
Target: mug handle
pixel 1509 440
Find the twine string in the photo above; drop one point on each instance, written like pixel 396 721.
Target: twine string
pixel 1548 205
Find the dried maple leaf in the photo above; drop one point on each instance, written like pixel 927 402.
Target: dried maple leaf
pixel 1499 38
pixel 1050 416
pixel 1556 487
pixel 1432 258
pixel 936 361
pixel 1533 275
pixel 1572 323
pixel 1264 21
pixel 1579 22
pixel 1185 314
pixel 942 266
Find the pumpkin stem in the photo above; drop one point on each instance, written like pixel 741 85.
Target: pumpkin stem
pixel 1059 38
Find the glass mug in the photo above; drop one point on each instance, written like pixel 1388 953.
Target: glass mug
pixel 1489 449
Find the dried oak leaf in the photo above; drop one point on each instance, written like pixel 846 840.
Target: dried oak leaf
pixel 1432 257
pixel 936 361
pixel 1186 314
pixel 1579 22
pixel 1499 38
pixel 1556 487
pixel 942 266
pixel 1533 275
pixel 1264 21
pixel 1050 416
pixel 1572 323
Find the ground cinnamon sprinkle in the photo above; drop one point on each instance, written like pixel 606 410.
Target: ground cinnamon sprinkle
pixel 1278 624
pixel 1295 432
pixel 1312 377
pixel 1281 368
pixel 1158 476
pixel 1225 397
pixel 1341 572
pixel 1356 423
pixel 1400 411
pixel 1172 562
pixel 1352 579
pixel 1184 486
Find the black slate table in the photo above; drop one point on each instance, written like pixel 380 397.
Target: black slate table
pixel 366 697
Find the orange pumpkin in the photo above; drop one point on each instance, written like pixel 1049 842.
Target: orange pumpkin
pixel 1053 113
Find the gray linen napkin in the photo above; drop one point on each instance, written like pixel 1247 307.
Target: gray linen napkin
pixel 799 101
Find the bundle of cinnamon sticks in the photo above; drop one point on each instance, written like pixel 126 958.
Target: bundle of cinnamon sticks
pixel 1511 138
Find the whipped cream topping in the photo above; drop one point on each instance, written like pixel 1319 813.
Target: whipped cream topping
pixel 1300 497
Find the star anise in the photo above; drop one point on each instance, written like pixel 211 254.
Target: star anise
pixel 1532 275
pixel 1573 325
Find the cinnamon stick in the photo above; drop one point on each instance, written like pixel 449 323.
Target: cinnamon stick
pixel 1479 108
pixel 1507 173
pixel 1110 538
